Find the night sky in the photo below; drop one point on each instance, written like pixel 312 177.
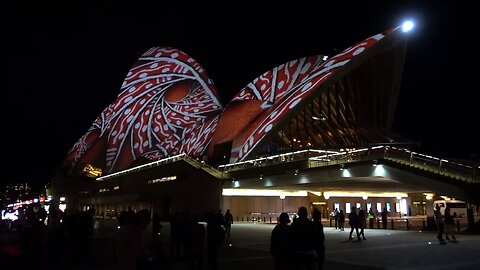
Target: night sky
pixel 64 64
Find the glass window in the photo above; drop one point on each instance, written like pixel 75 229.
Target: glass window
pixel 397 207
pixel 379 207
pixel 389 207
pixel 336 206
pixel 347 208
pixel 358 205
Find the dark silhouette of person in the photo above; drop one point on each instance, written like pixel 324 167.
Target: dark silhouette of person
pixel 196 247
pixel 215 236
pixel 439 222
pixel 33 241
pixel 175 235
pixel 82 233
pixel 449 224
pixel 303 240
pixel 319 237
pixel 371 218
pixel 56 232
pixel 130 248
pixel 361 223
pixel 335 216
pixel 280 243
pixel 384 217
pixel 341 220
pixel 353 222
pixel 228 222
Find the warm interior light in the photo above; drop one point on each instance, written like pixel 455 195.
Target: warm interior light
pixel 263 192
pixel 363 194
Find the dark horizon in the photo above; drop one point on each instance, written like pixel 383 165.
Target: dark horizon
pixel 66 64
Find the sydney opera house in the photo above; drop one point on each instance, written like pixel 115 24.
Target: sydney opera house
pixel 315 131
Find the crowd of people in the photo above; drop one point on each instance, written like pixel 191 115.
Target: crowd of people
pixel 63 238
pixel 300 245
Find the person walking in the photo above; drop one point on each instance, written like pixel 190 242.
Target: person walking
pixel 335 216
pixel 228 222
pixel 280 243
pixel 353 222
pixel 439 222
pixel 362 222
pixel 341 221
pixel 449 224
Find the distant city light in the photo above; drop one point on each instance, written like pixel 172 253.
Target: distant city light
pixel 407 26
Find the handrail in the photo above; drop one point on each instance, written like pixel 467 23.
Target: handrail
pixel 322 158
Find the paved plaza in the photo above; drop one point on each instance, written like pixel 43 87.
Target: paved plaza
pixel 248 248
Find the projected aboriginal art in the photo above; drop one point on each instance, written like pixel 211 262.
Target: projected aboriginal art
pixel 282 89
pixel 168 105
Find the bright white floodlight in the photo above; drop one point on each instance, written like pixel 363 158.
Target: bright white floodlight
pixel 407 26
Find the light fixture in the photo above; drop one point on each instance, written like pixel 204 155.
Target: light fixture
pixel 375 162
pixel 407 26
pixel 320 117
pixel 261 176
pixel 296 172
pixel 342 166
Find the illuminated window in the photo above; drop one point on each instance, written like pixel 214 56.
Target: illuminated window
pixel 163 179
pixel 116 187
pixel 389 207
pixel 336 206
pixel 379 207
pixel 347 208
pixel 397 207
pixel 91 171
pixel 358 205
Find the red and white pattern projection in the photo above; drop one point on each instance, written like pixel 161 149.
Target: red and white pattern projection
pixel 165 107
pixel 168 106
pixel 285 88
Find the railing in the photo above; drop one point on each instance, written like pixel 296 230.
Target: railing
pixel 462 172
pixel 203 165
pixel 143 167
pixel 323 158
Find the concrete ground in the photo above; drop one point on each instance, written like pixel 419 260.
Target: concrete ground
pixel 248 248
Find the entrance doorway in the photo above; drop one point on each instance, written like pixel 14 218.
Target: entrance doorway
pixel 419 208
